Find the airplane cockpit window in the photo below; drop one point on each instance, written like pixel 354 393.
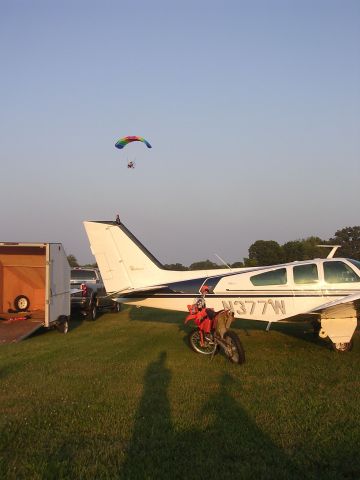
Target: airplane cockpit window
pixel 339 272
pixel 274 277
pixel 306 273
pixel 354 262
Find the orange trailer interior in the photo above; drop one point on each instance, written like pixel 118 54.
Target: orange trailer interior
pixel 22 272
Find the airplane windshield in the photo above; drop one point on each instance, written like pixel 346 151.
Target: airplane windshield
pixel 339 272
pixel 354 262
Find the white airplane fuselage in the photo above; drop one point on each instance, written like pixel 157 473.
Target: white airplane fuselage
pixel 317 289
pixel 272 304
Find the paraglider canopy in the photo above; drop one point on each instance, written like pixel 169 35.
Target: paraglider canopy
pixel 122 142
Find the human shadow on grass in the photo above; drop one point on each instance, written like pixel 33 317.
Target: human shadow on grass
pixel 231 446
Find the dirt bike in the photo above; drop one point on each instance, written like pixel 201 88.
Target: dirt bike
pixel 212 332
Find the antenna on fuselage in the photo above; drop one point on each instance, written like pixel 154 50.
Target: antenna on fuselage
pixel 222 261
pixel 332 251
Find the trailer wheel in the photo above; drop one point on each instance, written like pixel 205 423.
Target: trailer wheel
pixel 63 325
pixel 21 303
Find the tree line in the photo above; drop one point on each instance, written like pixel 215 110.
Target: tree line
pixel 270 252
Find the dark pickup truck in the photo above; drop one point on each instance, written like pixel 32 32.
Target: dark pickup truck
pixel 91 295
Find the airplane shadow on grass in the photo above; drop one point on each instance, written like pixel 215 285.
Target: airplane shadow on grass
pixel 154 315
pixel 145 314
pixel 299 330
pixel 231 446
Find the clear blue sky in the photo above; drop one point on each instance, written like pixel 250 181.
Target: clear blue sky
pixel 252 108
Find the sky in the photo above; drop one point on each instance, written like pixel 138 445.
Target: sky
pixel 252 108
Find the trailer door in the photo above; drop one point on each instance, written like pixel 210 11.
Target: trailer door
pixel 58 283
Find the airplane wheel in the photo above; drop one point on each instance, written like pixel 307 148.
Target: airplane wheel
pixel 343 347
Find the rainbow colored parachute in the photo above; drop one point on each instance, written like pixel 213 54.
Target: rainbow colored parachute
pixel 122 142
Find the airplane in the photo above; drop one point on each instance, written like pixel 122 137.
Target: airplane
pixel 325 292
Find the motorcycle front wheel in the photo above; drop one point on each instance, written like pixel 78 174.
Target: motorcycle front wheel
pixel 234 349
pixel 208 348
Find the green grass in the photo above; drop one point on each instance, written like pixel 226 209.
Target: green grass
pixel 125 397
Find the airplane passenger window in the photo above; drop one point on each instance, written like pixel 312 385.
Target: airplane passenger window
pixel 306 273
pixel 275 277
pixel 339 272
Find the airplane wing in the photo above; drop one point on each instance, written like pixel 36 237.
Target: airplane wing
pixel 341 308
pixel 339 320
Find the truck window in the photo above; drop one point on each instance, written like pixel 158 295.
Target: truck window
pixel 339 272
pixel 306 273
pixel 83 275
pixel 275 277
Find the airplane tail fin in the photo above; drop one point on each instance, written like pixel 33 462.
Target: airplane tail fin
pixel 125 264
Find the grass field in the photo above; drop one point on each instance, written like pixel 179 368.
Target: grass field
pixel 125 397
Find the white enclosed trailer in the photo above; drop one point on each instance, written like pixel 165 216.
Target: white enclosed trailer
pixel 34 289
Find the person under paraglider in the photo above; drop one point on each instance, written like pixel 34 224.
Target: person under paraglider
pixel 122 142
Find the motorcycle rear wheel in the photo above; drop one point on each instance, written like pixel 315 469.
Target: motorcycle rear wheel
pixel 209 347
pixel 234 351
